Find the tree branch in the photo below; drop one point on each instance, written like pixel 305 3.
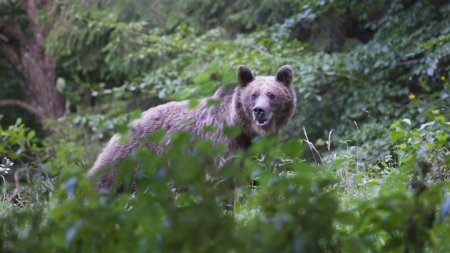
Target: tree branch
pixel 32 11
pixel 52 8
pixel 14 32
pixel 3 38
pixel 335 74
pixel 23 105
pixel 8 52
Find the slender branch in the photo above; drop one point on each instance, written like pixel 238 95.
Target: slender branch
pixel 16 180
pixel 312 147
pixel 14 32
pixel 47 3
pixel 52 9
pixel 335 74
pixel 8 52
pixel 23 105
pixel 329 139
pixel 3 38
pixel 409 62
pixel 32 11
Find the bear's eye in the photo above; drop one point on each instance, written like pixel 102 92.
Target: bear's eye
pixel 254 96
pixel 271 96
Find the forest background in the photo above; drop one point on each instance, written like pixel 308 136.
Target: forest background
pixel 362 167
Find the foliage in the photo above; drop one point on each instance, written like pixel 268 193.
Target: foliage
pixel 173 207
pixel 19 143
pixel 426 146
pixel 12 87
pixel 22 156
pixel 379 78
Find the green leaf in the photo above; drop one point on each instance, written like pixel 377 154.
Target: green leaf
pixel 185 93
pixel 202 78
pixel 60 84
pixel 157 136
pixel 30 135
pixel 213 102
pixel 292 148
pixel 209 129
pixel 395 124
pixel 396 135
pixel 442 138
pixel 347 218
pixel 135 115
pixel 228 78
pixel 232 131
pixel 193 103
pixel 207 88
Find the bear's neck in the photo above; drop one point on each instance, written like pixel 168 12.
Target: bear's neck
pixel 234 112
pixel 240 117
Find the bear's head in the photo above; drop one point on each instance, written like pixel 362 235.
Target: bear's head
pixel 268 102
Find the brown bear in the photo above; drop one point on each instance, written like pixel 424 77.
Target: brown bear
pixel 259 105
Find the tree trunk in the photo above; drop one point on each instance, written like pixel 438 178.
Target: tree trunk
pixel 39 73
pixel 37 68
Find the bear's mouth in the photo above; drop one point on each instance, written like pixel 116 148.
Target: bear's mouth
pixel 262 122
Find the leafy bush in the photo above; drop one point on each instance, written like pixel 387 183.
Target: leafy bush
pixel 381 68
pixel 22 155
pixel 172 205
pixel 18 142
pixel 193 217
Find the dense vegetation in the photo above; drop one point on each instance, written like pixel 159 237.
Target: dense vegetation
pixel 362 167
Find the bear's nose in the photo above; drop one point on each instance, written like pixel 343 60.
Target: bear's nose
pixel 258 112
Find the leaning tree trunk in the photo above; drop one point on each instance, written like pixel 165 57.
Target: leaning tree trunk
pixel 37 68
pixel 39 73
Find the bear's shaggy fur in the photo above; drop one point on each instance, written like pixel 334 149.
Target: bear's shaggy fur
pixel 260 105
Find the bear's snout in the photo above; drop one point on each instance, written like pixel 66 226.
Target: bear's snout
pixel 258 112
pixel 261 116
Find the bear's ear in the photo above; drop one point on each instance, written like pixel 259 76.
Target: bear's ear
pixel 244 75
pixel 285 75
